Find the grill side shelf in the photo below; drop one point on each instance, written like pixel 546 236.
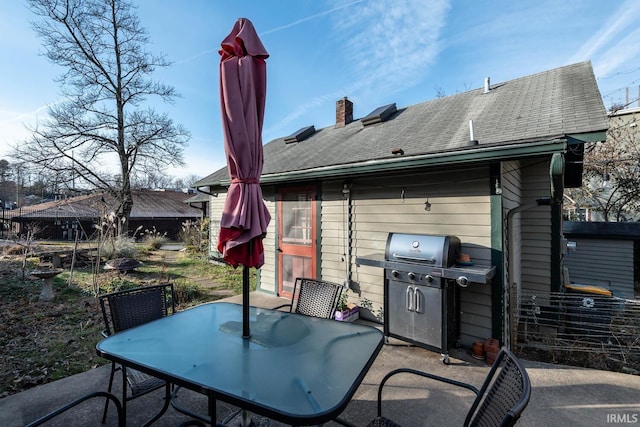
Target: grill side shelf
pixel 475 274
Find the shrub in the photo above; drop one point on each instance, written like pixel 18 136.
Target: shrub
pixel 120 247
pixel 13 250
pixel 186 292
pixel 195 235
pixel 118 284
pixel 153 238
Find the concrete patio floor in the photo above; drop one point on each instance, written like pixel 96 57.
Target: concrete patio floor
pixel 561 396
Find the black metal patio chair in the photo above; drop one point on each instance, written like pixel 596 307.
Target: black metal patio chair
pixel 313 297
pixel 133 307
pixel 67 407
pixel 500 401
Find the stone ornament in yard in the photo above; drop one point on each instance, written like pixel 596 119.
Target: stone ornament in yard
pixel 47 293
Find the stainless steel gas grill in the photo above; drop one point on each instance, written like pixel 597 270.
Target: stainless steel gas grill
pixel 421 298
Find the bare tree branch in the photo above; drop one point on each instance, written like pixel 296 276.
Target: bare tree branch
pixel 611 186
pixel 102 132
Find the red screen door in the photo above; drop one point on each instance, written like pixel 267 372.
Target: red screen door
pixel 296 236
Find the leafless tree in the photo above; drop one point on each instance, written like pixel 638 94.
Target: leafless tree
pixel 187 181
pixel 152 180
pixel 611 169
pixel 103 123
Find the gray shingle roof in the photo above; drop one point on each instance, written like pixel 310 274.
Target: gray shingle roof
pixel 539 107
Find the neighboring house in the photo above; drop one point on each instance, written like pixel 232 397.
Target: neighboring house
pixel 336 193
pixel 607 255
pixel 161 210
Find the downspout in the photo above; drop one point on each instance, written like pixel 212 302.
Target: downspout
pixel 200 208
pixel 513 290
pixel 346 192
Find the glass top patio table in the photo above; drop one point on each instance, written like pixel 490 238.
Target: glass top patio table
pixel 295 369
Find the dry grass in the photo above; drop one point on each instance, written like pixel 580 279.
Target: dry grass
pixel 42 341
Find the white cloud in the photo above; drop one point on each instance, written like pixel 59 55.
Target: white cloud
pixel 611 45
pixel 388 43
pixel 13 125
pixel 622 52
pixel 624 17
pixel 386 46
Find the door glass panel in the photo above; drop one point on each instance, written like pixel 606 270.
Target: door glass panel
pixel 297 220
pixel 292 268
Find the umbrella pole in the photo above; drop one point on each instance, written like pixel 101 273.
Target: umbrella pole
pixel 246 333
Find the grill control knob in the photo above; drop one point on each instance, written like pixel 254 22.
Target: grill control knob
pixel 411 276
pixel 428 278
pixel 395 274
pixel 462 281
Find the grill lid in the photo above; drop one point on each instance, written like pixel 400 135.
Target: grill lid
pixel 437 251
pixel 424 249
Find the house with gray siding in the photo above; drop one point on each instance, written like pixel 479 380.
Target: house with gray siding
pixel 489 166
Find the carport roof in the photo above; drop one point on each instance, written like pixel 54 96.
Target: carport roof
pixel 146 204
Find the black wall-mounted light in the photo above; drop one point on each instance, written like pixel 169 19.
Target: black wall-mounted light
pixel 427 205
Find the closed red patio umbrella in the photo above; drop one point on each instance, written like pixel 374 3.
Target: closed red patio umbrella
pixel 243 83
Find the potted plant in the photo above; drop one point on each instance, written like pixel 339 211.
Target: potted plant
pixel 346 311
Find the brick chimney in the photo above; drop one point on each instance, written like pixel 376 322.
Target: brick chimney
pixel 344 112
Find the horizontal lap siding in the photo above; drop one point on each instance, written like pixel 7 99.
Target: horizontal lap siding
pixel 268 281
pixel 460 206
pixel 602 262
pixel 511 199
pixel 215 213
pixel 267 276
pixel 536 228
pixel 333 226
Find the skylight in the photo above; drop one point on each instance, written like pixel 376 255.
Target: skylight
pixel 380 114
pixel 300 135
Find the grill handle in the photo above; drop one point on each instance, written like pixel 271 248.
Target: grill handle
pixel 414 259
pixel 409 299
pixel 417 296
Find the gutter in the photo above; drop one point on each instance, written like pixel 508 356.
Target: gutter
pixel 499 151
pixel 479 153
pixel 209 193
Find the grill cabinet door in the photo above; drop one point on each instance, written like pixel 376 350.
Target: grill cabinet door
pixel 400 309
pixel 428 316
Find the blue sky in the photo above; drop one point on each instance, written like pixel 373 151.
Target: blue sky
pixel 375 52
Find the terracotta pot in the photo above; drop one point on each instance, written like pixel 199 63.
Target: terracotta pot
pixel 491 348
pixel 477 350
pixel 491 345
pixel 491 357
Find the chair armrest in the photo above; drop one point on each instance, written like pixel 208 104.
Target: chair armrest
pixel 422 374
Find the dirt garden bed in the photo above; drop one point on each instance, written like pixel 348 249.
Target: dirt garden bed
pixel 42 341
